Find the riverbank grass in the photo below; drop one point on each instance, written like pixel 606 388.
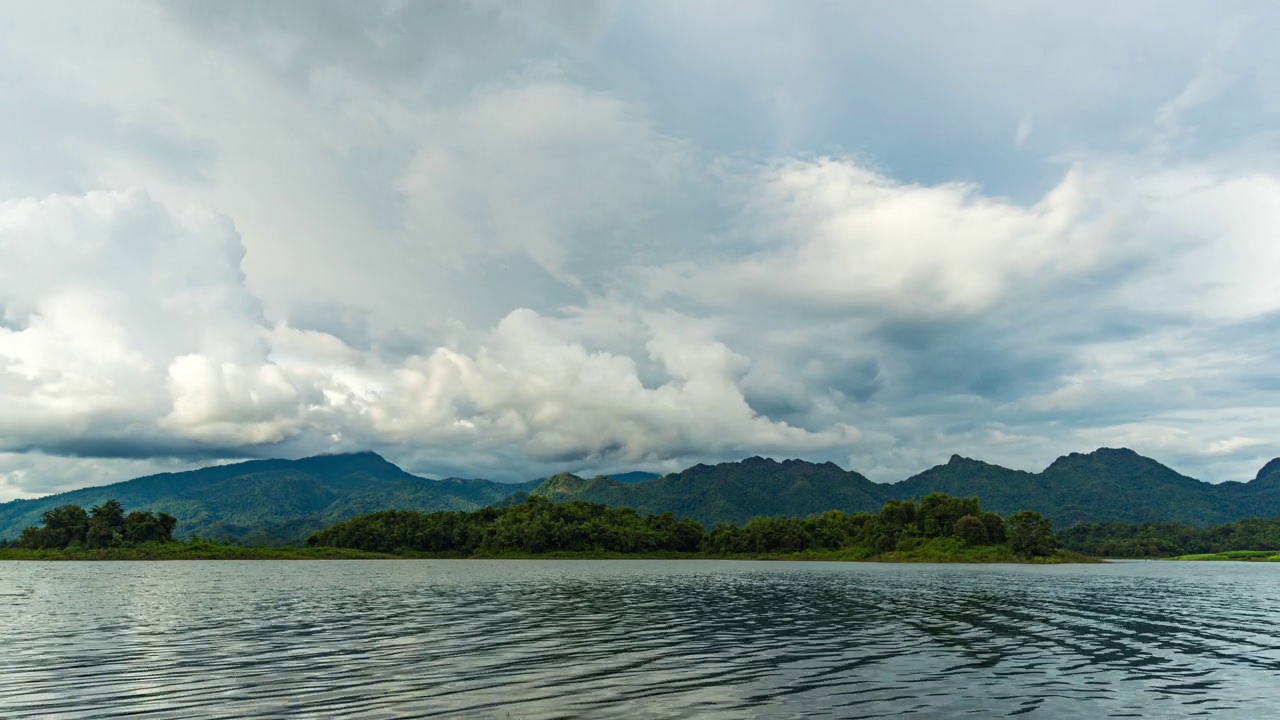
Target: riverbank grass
pixel 939 550
pixel 198 550
pixel 1239 555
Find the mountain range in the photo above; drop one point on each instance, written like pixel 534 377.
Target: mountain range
pixel 269 501
pixel 266 501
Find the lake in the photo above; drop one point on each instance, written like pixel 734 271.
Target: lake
pixel 637 639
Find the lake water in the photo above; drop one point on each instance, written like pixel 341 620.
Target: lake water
pixel 637 639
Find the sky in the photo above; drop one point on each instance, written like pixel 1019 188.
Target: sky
pixel 503 240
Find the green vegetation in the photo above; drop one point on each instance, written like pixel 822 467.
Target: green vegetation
pixel 271 502
pixel 281 502
pixel 1107 485
pixel 1246 555
pixel 193 550
pixel 728 492
pixel 104 527
pixel 1172 539
pixel 105 532
pixel 939 528
pixel 534 527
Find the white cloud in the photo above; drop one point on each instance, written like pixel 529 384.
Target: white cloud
pixel 102 293
pixel 836 235
pixel 169 347
pixel 1231 445
pixel 500 242
pixel 533 389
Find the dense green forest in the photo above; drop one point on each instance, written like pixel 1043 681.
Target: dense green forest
pixel 103 526
pixel 938 527
pixel 271 502
pixel 1170 539
pixel 1107 485
pixel 281 502
pixel 729 492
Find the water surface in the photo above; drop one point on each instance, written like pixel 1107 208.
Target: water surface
pixel 636 639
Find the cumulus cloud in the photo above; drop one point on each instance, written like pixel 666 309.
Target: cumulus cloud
pixel 123 311
pixel 836 235
pixel 503 240
pixel 133 324
pixel 534 386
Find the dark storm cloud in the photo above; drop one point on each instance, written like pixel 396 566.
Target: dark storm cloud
pixel 134 448
pixel 984 356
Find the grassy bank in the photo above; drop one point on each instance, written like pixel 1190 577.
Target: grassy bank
pixel 1240 555
pixel 190 551
pixel 936 552
pixel 976 558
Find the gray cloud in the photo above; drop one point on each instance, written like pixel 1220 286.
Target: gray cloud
pixel 507 239
pixel 394 40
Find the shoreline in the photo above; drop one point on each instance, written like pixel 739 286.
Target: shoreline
pixel 1231 556
pixel 234 552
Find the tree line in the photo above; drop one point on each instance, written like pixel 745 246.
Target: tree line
pixel 1113 539
pixel 102 526
pixel 539 525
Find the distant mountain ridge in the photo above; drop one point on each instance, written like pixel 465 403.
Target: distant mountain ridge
pixel 264 501
pixel 635 476
pixel 1105 485
pixel 728 492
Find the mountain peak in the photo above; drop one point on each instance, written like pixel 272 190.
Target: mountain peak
pixel 362 457
pixel 1268 469
pixel 1103 454
pixel 1114 452
pixel 357 454
pixel 352 462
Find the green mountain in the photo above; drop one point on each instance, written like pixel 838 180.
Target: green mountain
pixel 635 476
pixel 265 501
pixel 1105 485
pixel 729 492
pixel 1001 490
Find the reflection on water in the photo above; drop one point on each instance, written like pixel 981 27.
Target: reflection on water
pixel 634 639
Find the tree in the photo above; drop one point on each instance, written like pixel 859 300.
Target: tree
pixel 995 527
pixel 106 525
pixel 898 512
pixel 64 526
pixel 144 527
pixel 1030 534
pixel 939 512
pixel 971 530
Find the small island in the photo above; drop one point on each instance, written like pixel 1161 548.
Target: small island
pixel 938 528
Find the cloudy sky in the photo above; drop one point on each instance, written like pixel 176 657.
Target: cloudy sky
pixel 501 240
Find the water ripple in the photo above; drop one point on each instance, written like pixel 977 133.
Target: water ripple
pixel 636 639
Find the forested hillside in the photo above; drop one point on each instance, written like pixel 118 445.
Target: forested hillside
pixel 937 529
pixel 270 501
pixel 1107 485
pixel 730 492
